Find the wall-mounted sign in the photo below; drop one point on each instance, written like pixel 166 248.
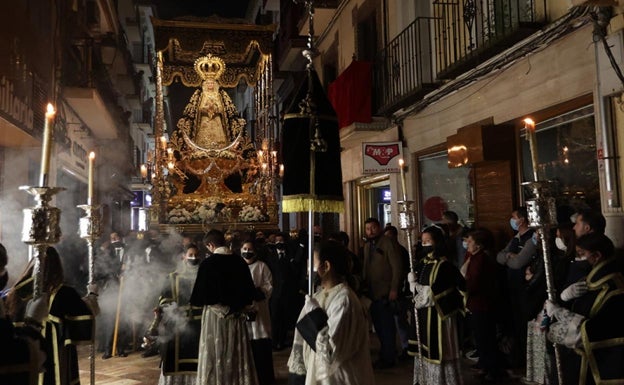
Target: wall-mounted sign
pixel 381 157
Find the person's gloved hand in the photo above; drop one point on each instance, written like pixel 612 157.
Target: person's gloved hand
pixel 37 309
pixel 550 308
pixel 415 287
pixel 573 291
pixel 92 289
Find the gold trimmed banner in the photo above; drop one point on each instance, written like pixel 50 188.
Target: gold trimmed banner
pixel 302 204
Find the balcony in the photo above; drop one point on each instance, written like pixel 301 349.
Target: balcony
pixel 89 91
pixel 468 32
pixel 403 70
pixel 289 43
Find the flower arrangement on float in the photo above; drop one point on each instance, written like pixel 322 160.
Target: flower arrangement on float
pixel 251 214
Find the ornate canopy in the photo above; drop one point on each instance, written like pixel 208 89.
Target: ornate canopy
pixel 241 46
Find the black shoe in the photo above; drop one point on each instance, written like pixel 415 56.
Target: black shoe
pixel 106 356
pixel 122 354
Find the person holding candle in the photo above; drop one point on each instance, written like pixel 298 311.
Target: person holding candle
pixel 438 288
pixel 69 323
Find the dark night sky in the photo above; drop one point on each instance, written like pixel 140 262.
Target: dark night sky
pixel 170 9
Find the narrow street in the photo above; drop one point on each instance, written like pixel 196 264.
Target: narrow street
pixel 136 370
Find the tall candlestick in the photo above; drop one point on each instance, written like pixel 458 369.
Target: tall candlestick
pixel 281 170
pixel 47 143
pixel 143 171
pixel 90 180
pixel 529 125
pixel 403 185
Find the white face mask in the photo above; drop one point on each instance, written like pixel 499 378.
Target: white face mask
pixel 560 245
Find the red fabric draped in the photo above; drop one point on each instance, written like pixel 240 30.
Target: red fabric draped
pixel 350 94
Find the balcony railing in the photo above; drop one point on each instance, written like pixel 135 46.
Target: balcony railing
pixel 403 70
pixel 467 32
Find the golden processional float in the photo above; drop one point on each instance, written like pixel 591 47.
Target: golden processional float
pixel 214 169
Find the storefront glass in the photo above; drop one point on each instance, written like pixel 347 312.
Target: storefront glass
pixel 443 188
pixel 567 155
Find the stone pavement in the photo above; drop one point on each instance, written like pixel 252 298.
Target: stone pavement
pixel 136 370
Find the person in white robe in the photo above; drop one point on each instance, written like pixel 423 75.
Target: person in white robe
pixel 338 353
pixel 259 321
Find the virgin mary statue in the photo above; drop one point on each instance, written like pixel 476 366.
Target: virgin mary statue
pixel 210 121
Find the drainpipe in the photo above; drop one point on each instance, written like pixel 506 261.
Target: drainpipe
pixel 606 136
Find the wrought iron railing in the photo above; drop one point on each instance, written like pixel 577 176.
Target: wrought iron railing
pixel 404 69
pixel 469 31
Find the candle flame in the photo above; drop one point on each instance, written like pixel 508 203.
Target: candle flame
pixel 529 123
pixel 50 109
pixel 401 162
pixel 92 155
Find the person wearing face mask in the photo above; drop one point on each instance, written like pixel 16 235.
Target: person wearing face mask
pixel 331 343
pixel 285 277
pixel 176 320
pixel 259 321
pixel 224 289
pixel 437 286
pixel 570 270
pixel 594 327
pixel 515 257
pixel 480 271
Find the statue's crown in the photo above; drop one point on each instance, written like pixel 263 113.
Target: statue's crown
pixel 210 67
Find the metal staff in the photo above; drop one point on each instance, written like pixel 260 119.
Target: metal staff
pixel 90 231
pixel 543 217
pixel 41 228
pixel 407 222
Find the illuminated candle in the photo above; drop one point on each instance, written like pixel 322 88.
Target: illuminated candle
pixel 529 125
pixel 264 168
pixel 170 153
pixel 281 170
pixel 47 143
pixel 163 142
pixel 90 180
pixel 260 155
pixel 170 165
pixel 403 184
pixel 143 171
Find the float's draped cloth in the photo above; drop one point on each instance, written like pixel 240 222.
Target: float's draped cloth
pixel 296 138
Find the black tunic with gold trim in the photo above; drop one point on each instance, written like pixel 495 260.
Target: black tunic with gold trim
pixel 181 323
pixel 20 352
pixel 602 334
pixel 446 284
pixel 70 322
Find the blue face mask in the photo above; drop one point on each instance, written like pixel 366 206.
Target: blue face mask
pixel 514 224
pixel 534 239
pixel 465 245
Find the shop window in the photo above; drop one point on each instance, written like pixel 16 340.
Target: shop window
pixel 567 156
pixel 443 188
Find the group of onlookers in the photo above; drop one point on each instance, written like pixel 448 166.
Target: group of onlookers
pixel 231 299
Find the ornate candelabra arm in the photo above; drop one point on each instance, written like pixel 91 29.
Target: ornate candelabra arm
pixel 407 223
pixel 89 230
pixel 41 228
pixel 543 217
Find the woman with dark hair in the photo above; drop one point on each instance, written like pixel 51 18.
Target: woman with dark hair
pixel 480 271
pixel 437 286
pixel 69 322
pixel 335 350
